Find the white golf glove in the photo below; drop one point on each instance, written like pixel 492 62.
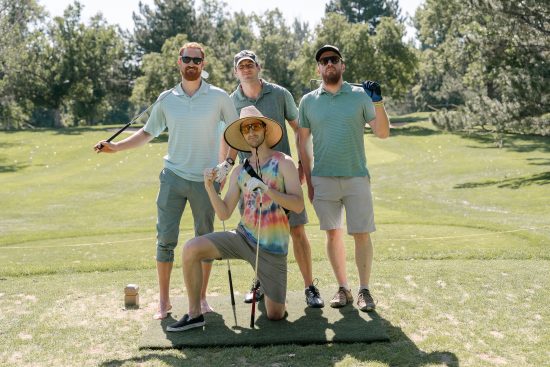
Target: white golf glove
pixel 223 169
pixel 254 184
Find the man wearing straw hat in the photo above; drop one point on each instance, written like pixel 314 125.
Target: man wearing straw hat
pixel 264 224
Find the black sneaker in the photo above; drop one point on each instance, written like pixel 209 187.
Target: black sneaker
pixel 313 298
pixel 259 293
pixel 187 323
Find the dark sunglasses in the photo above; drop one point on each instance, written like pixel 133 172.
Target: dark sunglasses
pixel 333 59
pixel 255 126
pixel 187 60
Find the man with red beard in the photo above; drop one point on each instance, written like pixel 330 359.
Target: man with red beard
pixel 335 115
pixel 192 114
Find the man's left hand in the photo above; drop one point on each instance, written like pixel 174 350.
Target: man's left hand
pixel 254 184
pixel 373 90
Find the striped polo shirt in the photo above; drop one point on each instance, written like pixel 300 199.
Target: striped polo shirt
pixel 194 128
pixel 337 124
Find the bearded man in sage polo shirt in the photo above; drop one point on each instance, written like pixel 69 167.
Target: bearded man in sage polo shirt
pixel 277 103
pixel 335 115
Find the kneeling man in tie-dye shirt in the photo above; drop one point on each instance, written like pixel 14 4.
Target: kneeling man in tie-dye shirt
pixel 269 185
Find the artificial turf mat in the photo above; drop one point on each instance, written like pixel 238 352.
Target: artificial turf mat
pixel 302 326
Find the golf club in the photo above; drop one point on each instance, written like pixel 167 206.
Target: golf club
pixel 253 313
pixel 231 284
pixel 132 121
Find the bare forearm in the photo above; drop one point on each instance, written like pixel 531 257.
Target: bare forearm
pixel 381 126
pixel 137 139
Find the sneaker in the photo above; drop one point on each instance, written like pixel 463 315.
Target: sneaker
pixel 313 298
pixel 187 323
pixel 341 298
pixel 259 292
pixel 365 301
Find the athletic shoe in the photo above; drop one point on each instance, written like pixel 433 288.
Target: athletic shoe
pixel 313 298
pixel 187 323
pixel 365 301
pixel 259 293
pixel 341 298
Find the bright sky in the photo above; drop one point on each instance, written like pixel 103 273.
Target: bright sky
pixel 120 11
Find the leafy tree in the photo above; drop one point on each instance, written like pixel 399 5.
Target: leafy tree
pixel 153 26
pixel 490 59
pixel 86 74
pixel 365 11
pixel 21 34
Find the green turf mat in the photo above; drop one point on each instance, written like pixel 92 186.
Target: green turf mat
pixel 302 326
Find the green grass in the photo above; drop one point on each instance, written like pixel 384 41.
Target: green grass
pixel 461 253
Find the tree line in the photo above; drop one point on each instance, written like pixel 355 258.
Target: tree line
pixel 479 64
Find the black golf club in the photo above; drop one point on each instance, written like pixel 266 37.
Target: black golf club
pixel 132 121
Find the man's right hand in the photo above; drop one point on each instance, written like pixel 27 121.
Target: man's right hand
pixel 105 147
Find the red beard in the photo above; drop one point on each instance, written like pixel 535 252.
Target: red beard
pixel 191 74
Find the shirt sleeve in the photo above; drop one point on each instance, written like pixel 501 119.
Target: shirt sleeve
pixel 291 112
pixel 368 110
pixel 156 123
pixel 228 110
pixel 303 121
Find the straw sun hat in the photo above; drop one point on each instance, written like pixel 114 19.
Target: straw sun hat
pixel 235 139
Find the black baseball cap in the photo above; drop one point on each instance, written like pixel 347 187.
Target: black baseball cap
pixel 326 48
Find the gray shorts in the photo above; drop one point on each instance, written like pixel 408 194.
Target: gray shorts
pixel 334 194
pixel 172 198
pixel 271 267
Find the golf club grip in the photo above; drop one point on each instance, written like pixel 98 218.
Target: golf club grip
pixel 116 134
pixel 231 287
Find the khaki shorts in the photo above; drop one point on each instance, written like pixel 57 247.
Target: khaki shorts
pixel 272 268
pixel 333 194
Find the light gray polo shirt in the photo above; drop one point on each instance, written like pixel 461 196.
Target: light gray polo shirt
pixel 194 130
pixel 337 124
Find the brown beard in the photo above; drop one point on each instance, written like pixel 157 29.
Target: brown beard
pixel 191 74
pixel 332 78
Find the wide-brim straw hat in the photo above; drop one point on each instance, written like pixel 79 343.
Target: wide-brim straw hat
pixel 235 139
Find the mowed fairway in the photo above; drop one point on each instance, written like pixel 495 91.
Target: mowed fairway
pixel 462 254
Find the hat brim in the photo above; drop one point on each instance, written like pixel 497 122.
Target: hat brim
pixel 235 139
pixel 326 48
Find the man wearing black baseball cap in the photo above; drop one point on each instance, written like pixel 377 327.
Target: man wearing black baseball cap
pixel 336 114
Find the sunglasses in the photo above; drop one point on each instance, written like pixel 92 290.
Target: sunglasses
pixel 255 126
pixel 333 59
pixel 187 60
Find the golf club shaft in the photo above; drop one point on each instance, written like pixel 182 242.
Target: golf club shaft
pixel 253 314
pixel 229 275
pixel 136 118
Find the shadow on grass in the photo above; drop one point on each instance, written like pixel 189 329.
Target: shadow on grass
pixel 400 350
pixel 11 167
pixel 407 119
pixel 515 143
pixel 510 183
pixel 414 130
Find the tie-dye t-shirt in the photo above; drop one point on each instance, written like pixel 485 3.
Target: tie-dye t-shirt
pixel 274 231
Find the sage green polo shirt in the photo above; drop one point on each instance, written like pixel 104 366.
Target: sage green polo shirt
pixel 274 102
pixel 337 124
pixel 194 128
